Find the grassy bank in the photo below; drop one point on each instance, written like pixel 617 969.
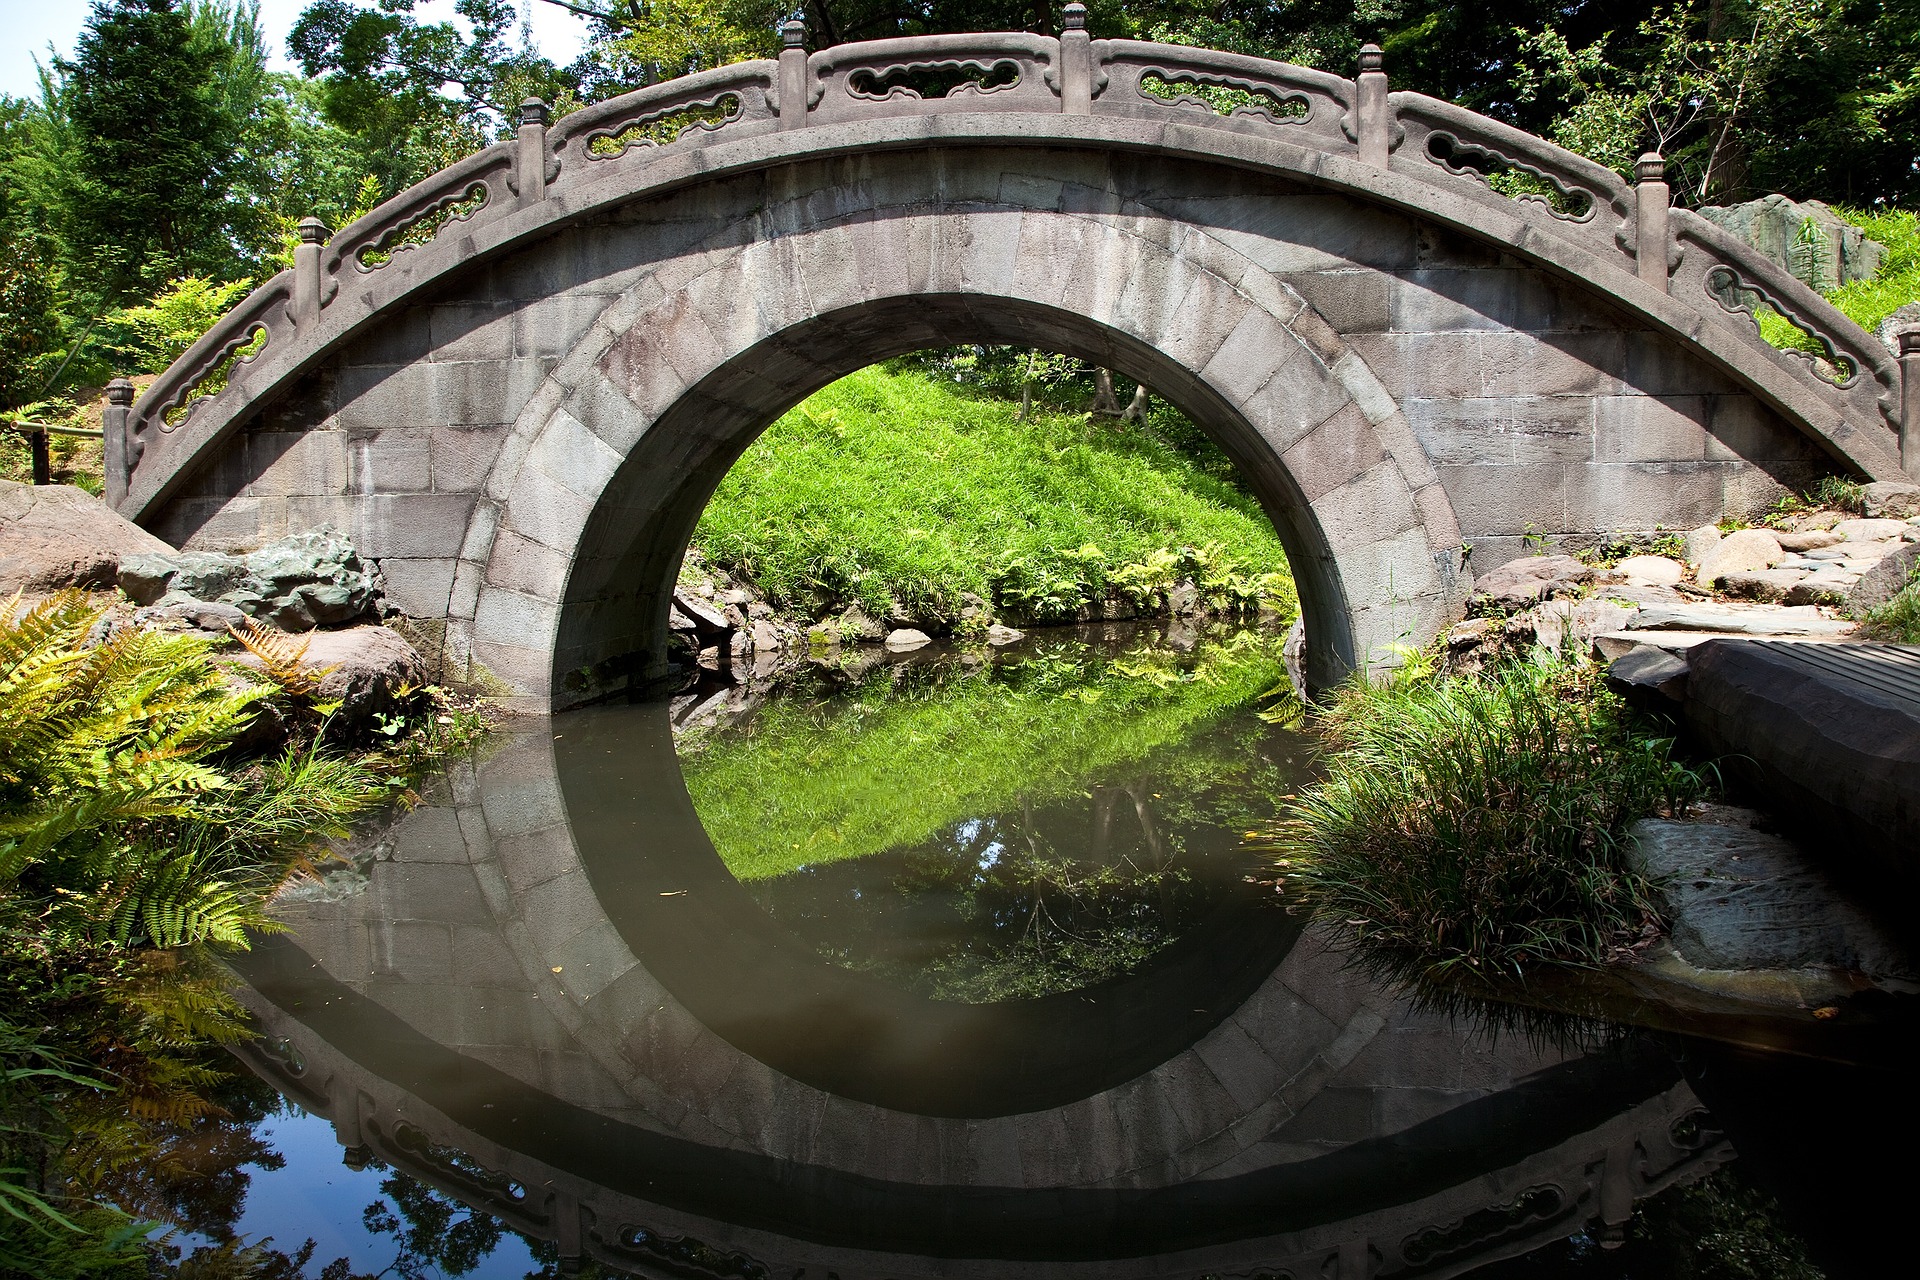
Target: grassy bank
pixel 1865 302
pixel 889 765
pixel 1477 825
pixel 894 487
pixel 137 842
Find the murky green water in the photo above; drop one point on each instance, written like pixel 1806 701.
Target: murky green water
pixel 956 966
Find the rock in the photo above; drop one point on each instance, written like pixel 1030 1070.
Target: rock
pixel 1183 599
pixel 823 635
pixel 1522 582
pixel 1816 521
pixel 1871 530
pixel 1700 541
pixel 1741 898
pixel 1648 676
pixel 211 616
pixel 1893 498
pixel 1750 620
pixel 1884 581
pixel 1293 652
pixel 372 667
pixel 1463 635
pixel 1001 635
pixel 1658 570
pixel 1904 317
pixel 298 583
pixel 56 536
pixel 907 639
pixel 735 595
pixel 1773 225
pixel 1807 540
pixel 1739 552
pixel 1820 588
pixel 972 606
pixel 767 637
pixel 1763 584
pixel 856 625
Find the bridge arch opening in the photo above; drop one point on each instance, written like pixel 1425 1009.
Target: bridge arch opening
pixel 612 625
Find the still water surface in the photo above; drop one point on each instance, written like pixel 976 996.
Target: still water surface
pixel 958 966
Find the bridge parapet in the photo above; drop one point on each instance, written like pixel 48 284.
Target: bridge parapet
pixel 1532 197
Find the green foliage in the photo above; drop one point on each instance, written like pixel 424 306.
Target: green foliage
pixel 1868 302
pixel 1042 514
pixel 148 337
pixel 882 767
pixel 1898 620
pixel 1477 825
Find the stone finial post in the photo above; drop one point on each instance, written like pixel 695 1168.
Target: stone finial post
pixel 117 442
pixel 1076 62
pixel 1653 200
pixel 793 74
pixel 306 270
pixel 1908 342
pixel 1375 117
pixel 530 153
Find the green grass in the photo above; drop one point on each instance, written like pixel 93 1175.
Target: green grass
pixel 1474 826
pixel 1898 620
pixel 1865 302
pixel 887 766
pixel 891 485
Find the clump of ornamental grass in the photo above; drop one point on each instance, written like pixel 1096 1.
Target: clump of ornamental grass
pixel 1471 827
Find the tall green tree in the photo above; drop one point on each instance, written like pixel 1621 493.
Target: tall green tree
pixel 146 193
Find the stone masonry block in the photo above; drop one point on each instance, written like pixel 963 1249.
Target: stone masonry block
pixel 524 566
pixel 461 456
pixel 1371 506
pixel 541 509
pixel 1510 500
pixel 414 525
pixel 419 588
pixel 510 617
pixel 573 456
pixel 392 461
pixel 1678 495
pixel 1503 430
pixel 285 464
pixel 1650 428
pixel 471 331
pixel 1334 453
pixel 1350 300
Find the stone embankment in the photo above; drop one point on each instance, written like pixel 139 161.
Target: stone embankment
pixel 722 623
pixel 1810 578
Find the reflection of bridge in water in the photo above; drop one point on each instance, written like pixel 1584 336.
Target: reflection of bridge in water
pixel 512 1009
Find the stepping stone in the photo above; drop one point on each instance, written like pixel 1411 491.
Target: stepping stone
pixel 1753 620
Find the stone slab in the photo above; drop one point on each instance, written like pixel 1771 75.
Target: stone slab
pixel 1830 733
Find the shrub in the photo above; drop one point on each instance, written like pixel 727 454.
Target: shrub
pixel 1477 825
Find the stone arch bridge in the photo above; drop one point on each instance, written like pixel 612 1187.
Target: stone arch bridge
pixel 1415 329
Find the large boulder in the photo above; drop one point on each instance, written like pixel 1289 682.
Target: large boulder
pixel 370 671
pixel 1519 583
pixel 1894 499
pixel 1884 581
pixel 308 580
pixel 1741 552
pixel 55 536
pixel 1776 226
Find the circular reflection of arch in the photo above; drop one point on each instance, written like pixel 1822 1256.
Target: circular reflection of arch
pixel 701 936
pixel 472 1014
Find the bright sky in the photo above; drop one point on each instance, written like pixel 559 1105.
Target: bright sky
pixel 27 27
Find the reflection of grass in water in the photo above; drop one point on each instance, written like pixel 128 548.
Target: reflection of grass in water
pixel 888 765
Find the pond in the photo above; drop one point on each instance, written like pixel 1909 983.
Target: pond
pixel 954 964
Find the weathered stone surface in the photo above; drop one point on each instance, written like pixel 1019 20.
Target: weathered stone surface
pixel 1648 672
pixel 1556 623
pixel 1871 530
pixel 1904 317
pixel 1820 587
pixel 1002 635
pixel 55 536
pixel 1886 579
pixel 1700 541
pixel 1830 733
pixel 1807 540
pixel 856 625
pixel 1753 620
pixel 1774 225
pixel 1655 569
pixel 371 667
pixel 1532 578
pixel 1741 898
pixel 1739 552
pixel 1892 498
pixel 905 639
pixel 300 582
pixel 1763 584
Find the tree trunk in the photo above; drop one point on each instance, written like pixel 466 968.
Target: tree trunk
pixel 1105 403
pixel 1136 410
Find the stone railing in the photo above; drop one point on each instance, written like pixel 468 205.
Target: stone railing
pixel 1440 154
